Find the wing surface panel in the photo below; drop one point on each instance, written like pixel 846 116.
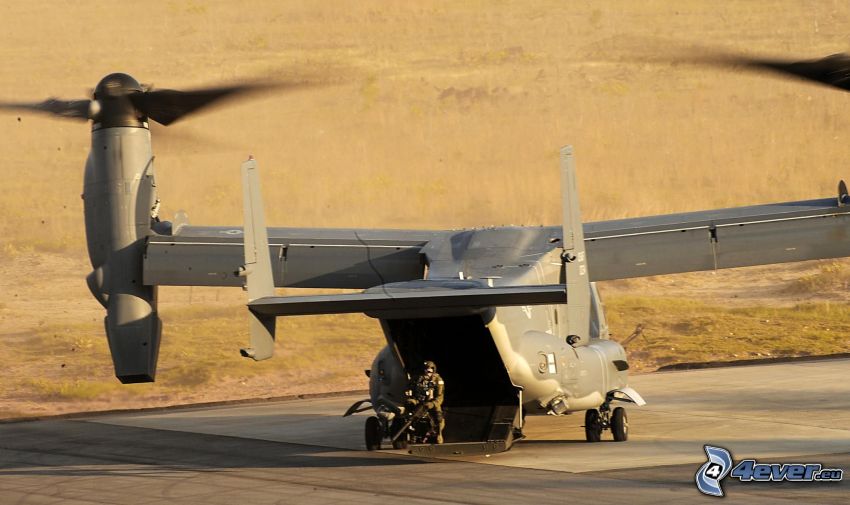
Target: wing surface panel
pixel 301 257
pixel 723 238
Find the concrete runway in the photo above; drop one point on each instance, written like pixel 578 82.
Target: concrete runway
pixel 303 451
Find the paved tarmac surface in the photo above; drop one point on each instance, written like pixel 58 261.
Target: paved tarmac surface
pixel 302 451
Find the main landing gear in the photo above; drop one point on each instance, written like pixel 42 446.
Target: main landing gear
pixel 377 429
pixel 374 433
pixel 597 421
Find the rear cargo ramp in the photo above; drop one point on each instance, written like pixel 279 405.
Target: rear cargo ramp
pixel 481 404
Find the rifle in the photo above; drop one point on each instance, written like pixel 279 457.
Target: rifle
pixel 418 413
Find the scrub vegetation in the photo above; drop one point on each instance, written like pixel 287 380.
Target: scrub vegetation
pixel 675 330
pixel 831 276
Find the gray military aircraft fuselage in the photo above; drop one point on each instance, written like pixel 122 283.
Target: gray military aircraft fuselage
pixel 499 363
pixel 486 305
pixel 510 315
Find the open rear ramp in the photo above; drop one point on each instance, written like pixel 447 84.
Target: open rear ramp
pixel 481 405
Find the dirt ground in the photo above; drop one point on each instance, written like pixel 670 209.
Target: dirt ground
pixel 436 114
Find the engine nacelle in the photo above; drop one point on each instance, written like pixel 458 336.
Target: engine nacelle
pixel 120 197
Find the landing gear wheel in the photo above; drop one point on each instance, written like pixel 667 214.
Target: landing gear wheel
pixel 620 424
pixel 401 441
pixel 592 426
pixel 373 434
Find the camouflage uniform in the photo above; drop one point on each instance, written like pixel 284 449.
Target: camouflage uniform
pixel 428 389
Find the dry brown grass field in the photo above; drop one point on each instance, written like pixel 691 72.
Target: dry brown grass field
pixel 439 115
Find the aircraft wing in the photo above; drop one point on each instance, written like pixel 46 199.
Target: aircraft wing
pixel 724 238
pixel 362 258
pixel 301 257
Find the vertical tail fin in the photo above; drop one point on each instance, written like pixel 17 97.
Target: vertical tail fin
pixel 574 257
pixel 257 270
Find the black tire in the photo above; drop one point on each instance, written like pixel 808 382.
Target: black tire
pixel 592 426
pixel 620 424
pixel 401 441
pixel 373 434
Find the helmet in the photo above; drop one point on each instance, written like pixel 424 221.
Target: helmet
pixel 429 366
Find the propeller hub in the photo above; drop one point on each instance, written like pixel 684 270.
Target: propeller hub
pixel 115 85
pixel 115 107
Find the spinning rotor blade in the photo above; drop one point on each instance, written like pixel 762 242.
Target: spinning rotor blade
pixel 166 106
pixel 833 70
pixel 74 109
pixel 120 100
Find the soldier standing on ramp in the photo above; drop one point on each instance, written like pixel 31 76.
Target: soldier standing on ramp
pixel 427 390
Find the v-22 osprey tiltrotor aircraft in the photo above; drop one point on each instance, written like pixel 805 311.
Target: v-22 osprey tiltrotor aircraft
pixel 511 315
